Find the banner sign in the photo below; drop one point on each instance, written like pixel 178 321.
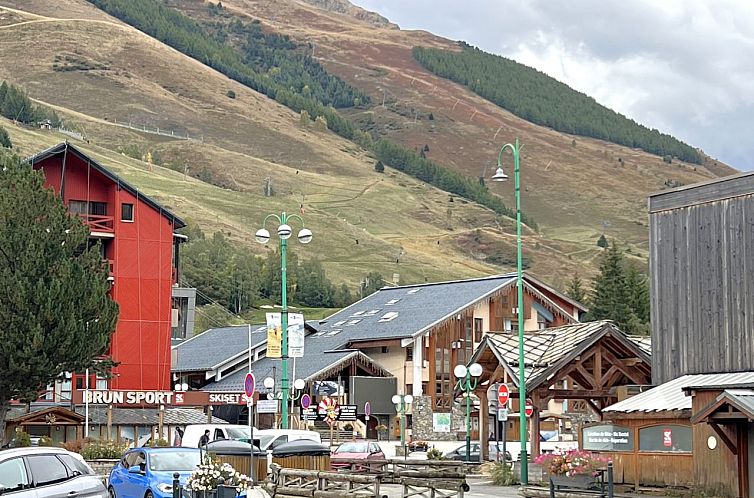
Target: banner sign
pixel 267 406
pixel 607 437
pixel 441 422
pixel 227 399
pixel 345 413
pixel 274 336
pixel 295 335
pixel 132 399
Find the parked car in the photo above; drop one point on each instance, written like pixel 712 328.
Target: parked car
pixel 269 439
pixel 148 472
pixel 46 471
pixel 355 450
pixel 475 455
pixel 193 432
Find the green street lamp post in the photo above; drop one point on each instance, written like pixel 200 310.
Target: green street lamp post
pixel 284 233
pixel 298 391
pixel 468 378
pixel 500 176
pixel 402 403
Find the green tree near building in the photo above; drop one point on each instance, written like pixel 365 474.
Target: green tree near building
pixel 576 290
pixel 55 313
pixel 371 284
pixel 619 294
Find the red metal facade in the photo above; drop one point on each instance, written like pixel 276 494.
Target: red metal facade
pixel 141 256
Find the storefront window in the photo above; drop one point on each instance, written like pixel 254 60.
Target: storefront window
pixel 126 434
pixel 665 438
pixel 608 437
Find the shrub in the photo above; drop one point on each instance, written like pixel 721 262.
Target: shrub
pixel 207 476
pixel 379 167
pixel 435 454
pixel 75 446
pixel 571 463
pixel 502 474
pixel 5 139
pixel 21 440
pixel 161 443
pixel 96 450
pixel 231 94
pixel 45 441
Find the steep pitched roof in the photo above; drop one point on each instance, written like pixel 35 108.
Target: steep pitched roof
pixel 547 351
pixel 64 147
pixel 213 347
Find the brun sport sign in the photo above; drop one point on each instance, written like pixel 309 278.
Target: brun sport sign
pixel 156 398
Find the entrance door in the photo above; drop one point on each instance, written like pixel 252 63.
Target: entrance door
pixel 750 438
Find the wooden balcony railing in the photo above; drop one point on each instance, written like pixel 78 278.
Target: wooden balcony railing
pixel 98 223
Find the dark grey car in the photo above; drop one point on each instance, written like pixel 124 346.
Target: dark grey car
pixel 42 472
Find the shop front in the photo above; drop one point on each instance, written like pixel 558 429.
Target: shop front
pixel 57 423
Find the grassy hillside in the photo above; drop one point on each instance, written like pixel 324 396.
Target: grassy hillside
pixel 402 225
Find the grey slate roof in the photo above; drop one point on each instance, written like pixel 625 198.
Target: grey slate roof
pixel 413 308
pixel 670 396
pixel 215 346
pixel 547 350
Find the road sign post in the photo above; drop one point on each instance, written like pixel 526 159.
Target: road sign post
pixel 249 383
pixel 306 402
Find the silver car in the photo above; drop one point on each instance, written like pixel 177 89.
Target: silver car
pixel 45 472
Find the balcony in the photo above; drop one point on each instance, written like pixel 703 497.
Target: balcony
pixel 100 225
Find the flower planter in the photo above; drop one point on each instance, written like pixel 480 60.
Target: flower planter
pixel 582 481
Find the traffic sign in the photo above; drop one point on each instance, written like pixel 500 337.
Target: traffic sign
pixel 503 394
pixel 502 414
pixel 367 408
pixel 248 386
pixel 529 409
pixel 306 401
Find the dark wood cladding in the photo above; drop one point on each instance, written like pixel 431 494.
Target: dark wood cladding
pixel 702 279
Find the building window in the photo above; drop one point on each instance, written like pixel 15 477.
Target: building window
pixel 665 438
pixel 478 327
pixel 98 208
pixel 410 353
pixel 101 384
pixel 78 207
pixel 384 350
pixel 126 212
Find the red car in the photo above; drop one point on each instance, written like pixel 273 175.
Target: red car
pixel 349 456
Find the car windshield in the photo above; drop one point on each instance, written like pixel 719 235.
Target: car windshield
pixel 174 460
pixel 352 448
pixel 264 441
pixel 238 433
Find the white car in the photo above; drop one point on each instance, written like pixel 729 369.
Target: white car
pixel 193 433
pixel 45 471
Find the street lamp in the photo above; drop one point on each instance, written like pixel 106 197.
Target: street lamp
pixel 468 378
pixel 500 176
pixel 402 403
pixel 284 233
pixel 298 390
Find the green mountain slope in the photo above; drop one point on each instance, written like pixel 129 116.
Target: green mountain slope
pixel 543 100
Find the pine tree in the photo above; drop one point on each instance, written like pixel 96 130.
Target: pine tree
pixel 576 290
pixel 379 167
pixel 602 241
pixel 611 297
pixel 5 139
pixel 56 313
pixel 638 286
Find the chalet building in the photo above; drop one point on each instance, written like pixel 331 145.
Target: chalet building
pixel 138 240
pixel 571 373
pixel 694 428
pixel 411 336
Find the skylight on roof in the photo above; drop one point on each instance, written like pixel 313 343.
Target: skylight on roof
pixel 371 312
pixel 414 291
pixel 358 313
pixel 320 333
pixel 391 302
pixel 339 323
pixel 334 332
pixel 354 322
pixel 388 316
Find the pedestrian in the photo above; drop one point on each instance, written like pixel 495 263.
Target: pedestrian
pixel 178 439
pixel 204 439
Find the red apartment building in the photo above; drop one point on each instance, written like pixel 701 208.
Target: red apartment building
pixel 138 240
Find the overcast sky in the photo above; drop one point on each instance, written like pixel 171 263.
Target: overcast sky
pixel 685 67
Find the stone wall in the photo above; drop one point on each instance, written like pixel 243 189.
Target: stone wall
pixel 102 467
pixel 422 422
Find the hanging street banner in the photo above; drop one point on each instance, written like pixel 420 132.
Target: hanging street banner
pixel 274 336
pixel 295 335
pixel 345 413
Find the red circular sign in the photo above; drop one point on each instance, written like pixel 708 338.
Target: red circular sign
pixel 529 409
pixel 503 394
pixel 248 385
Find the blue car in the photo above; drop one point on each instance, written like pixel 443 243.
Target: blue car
pixel 148 472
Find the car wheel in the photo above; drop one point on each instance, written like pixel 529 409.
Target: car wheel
pixel 111 492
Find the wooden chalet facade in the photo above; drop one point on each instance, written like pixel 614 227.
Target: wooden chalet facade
pixel 585 362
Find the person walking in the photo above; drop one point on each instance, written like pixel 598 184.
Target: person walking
pixel 204 439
